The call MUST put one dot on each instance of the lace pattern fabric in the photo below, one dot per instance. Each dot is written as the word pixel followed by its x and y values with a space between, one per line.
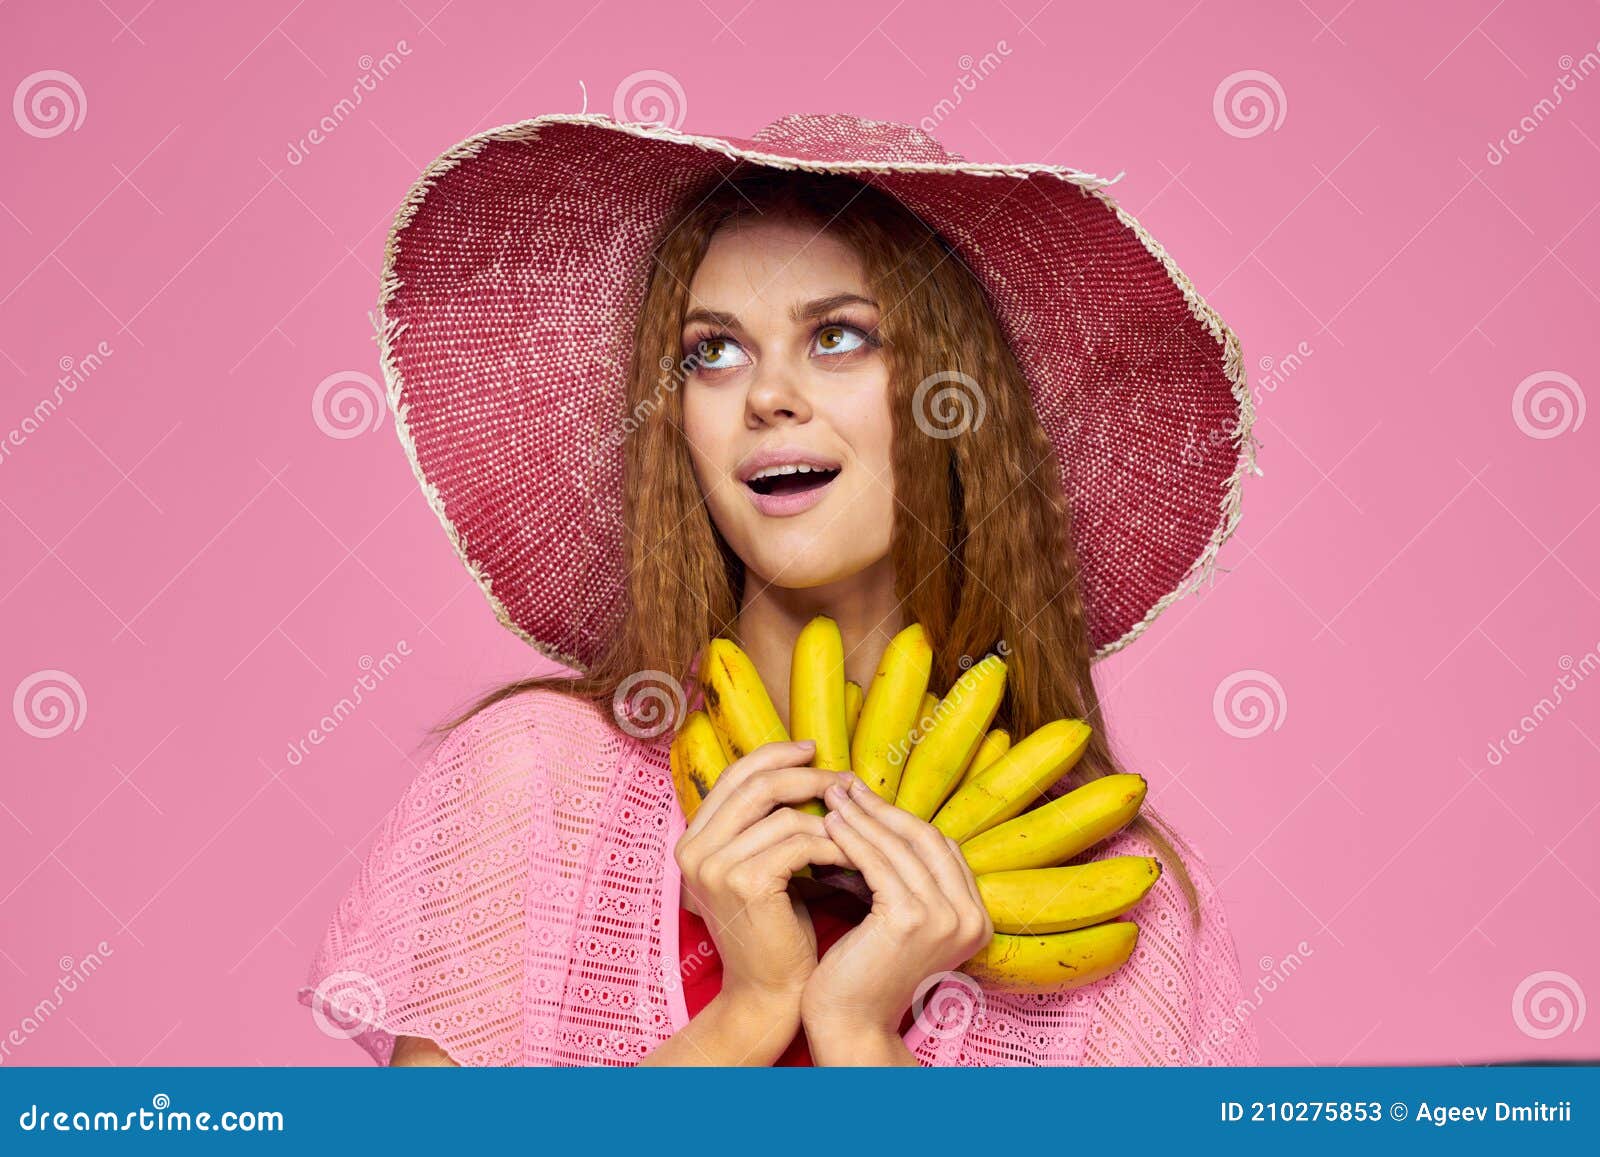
pixel 519 906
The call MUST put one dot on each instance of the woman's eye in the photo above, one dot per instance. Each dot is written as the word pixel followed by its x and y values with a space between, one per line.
pixel 719 352
pixel 840 339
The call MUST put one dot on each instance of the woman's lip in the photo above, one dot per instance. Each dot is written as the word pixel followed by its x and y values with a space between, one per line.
pixel 785 505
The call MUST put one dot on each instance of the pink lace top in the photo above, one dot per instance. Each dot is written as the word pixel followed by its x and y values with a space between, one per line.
pixel 519 906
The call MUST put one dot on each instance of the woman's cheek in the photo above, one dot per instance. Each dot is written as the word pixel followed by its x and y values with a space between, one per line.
pixel 700 432
pixel 871 518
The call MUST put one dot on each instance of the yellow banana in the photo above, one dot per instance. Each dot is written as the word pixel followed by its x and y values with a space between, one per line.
pixel 697 760
pixel 994 745
pixel 1036 901
pixel 739 706
pixel 1013 782
pixel 1060 829
pixel 737 700
pixel 890 711
pixel 816 698
pixel 1055 962
pixel 852 706
pixel 924 720
pixel 952 738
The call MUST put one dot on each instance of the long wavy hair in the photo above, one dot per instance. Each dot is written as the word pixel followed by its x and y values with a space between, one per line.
pixel 981 544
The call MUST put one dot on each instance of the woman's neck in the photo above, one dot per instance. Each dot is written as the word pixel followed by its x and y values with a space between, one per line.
pixel 771 617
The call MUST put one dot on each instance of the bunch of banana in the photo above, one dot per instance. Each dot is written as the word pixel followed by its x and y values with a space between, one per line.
pixel 1055 923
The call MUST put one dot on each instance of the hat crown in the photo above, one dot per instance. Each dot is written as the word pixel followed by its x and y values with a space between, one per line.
pixel 841 137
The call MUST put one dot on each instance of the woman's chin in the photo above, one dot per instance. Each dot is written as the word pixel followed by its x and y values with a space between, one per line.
pixel 804 568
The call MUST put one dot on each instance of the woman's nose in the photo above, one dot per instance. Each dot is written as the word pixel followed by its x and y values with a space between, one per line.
pixel 776 395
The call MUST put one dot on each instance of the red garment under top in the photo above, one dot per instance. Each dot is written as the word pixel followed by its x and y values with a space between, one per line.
pixel 700 966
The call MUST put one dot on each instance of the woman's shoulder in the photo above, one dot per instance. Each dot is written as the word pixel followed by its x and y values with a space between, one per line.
pixel 545 735
pixel 1168 895
pixel 540 719
pixel 517 761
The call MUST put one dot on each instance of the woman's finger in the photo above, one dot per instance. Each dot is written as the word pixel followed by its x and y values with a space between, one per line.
pixel 700 873
pixel 965 871
pixel 762 835
pixel 758 796
pixel 881 823
pixel 751 787
pixel 786 857
pixel 963 888
pixel 845 823
pixel 768 756
pixel 935 848
pixel 937 851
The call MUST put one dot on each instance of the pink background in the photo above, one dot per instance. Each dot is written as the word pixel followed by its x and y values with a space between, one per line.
pixel 1414 569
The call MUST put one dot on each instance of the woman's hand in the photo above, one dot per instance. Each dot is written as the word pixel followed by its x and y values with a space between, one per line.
pixel 736 857
pixel 926 917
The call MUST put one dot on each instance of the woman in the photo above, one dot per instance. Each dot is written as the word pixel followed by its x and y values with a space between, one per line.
pixel 825 408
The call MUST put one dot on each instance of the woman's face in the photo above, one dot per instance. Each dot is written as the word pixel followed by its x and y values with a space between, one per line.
pixel 786 406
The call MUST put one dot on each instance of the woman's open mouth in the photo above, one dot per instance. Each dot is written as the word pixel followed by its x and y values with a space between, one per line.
pixel 784 490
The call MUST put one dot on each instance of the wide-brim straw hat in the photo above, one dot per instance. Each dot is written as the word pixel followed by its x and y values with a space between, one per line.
pixel 517 263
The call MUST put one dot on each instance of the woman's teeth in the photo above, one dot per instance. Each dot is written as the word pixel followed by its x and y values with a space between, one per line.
pixel 790 479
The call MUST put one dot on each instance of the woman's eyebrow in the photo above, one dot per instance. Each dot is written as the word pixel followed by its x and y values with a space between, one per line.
pixel 801 312
pixel 826 305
